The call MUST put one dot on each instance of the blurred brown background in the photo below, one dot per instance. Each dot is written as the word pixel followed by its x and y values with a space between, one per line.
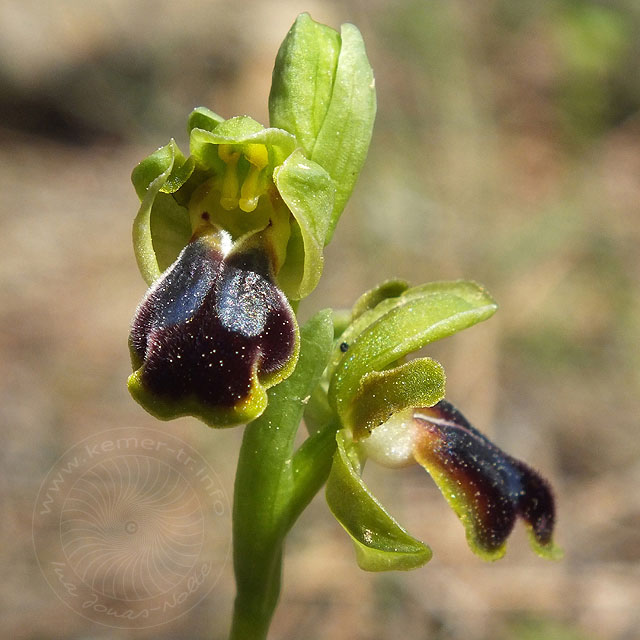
pixel 506 149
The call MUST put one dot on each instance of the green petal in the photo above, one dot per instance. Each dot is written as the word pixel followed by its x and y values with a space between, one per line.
pixel 418 383
pixel 399 326
pixel 381 544
pixel 161 228
pixel 308 192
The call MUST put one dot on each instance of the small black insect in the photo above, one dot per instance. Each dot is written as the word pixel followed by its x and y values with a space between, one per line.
pixel 343 347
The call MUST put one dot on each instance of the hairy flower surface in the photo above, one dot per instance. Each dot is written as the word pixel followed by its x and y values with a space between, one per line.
pixel 487 488
pixel 212 334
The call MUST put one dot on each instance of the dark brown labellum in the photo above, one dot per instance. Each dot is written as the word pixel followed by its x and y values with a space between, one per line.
pixel 210 325
pixel 488 488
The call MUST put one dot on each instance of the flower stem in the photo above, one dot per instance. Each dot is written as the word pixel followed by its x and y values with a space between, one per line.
pixel 273 485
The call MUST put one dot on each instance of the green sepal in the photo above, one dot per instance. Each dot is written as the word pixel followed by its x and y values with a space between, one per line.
pixel 323 91
pixel 418 383
pixel 161 228
pixel 371 306
pixel 381 544
pixel 308 191
pixel 399 326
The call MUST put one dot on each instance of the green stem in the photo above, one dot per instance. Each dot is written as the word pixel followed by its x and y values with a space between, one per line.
pixel 273 485
pixel 259 503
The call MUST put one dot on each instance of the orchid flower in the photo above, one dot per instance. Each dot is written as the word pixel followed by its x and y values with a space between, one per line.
pixel 230 236
pixel 229 239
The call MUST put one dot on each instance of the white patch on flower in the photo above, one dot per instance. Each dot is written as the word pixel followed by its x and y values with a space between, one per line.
pixel 391 444
pixel 226 242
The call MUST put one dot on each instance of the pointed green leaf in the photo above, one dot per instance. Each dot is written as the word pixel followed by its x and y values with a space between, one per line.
pixel 418 383
pixel 381 544
pixel 399 326
pixel 308 192
pixel 161 228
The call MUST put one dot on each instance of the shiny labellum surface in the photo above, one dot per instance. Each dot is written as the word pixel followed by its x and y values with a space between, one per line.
pixel 210 334
pixel 487 488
